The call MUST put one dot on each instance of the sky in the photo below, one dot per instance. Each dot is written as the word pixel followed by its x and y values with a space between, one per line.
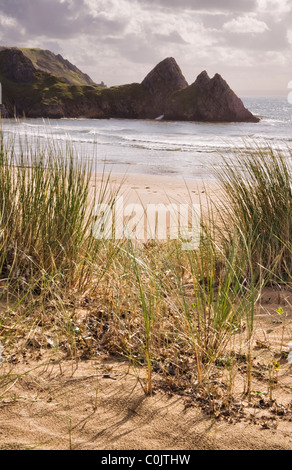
pixel 248 42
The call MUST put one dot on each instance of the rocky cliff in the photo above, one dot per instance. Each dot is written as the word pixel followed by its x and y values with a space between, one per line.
pixel 207 99
pixel 30 90
pixel 16 66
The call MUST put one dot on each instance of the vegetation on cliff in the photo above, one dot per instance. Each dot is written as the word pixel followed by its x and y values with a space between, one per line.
pixel 39 84
pixel 47 61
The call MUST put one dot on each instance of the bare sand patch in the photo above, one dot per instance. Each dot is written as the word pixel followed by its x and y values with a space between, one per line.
pixel 150 189
pixel 99 404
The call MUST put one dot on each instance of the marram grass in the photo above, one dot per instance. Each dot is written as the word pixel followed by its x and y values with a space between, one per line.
pixel 258 207
pixel 177 313
pixel 46 215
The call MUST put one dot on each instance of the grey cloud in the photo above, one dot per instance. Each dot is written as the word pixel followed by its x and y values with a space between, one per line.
pixel 59 19
pixel 10 35
pixel 53 46
pixel 275 39
pixel 215 21
pixel 146 48
pixel 174 37
pixel 219 5
pixel 136 48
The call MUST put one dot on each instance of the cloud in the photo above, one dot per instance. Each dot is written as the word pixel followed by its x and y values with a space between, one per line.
pixel 272 39
pixel 7 21
pixel 246 24
pixel 277 8
pixel 205 5
pixel 58 18
pixel 173 37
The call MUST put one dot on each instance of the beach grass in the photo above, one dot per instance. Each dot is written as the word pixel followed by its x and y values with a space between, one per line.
pixel 257 205
pixel 177 313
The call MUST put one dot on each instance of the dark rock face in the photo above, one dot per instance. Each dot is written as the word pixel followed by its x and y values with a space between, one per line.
pixel 210 100
pixel 17 66
pixel 165 79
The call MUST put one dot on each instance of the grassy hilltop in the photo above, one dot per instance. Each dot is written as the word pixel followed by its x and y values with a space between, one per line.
pixel 47 61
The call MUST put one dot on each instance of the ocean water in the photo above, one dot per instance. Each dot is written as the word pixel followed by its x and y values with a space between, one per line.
pixel 185 149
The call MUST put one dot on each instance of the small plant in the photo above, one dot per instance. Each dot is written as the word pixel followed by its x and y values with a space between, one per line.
pixel 273 368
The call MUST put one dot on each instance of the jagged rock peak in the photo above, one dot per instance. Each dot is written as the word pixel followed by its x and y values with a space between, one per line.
pixel 210 100
pixel 165 78
pixel 202 79
pixel 219 81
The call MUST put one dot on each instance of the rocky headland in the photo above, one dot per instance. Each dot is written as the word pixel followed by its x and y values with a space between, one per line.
pixel 38 83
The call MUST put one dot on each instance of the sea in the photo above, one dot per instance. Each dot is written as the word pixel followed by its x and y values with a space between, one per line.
pixel 157 147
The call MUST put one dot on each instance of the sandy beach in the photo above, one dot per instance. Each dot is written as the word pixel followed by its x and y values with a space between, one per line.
pixel 100 405
pixel 158 194
pixel 150 189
